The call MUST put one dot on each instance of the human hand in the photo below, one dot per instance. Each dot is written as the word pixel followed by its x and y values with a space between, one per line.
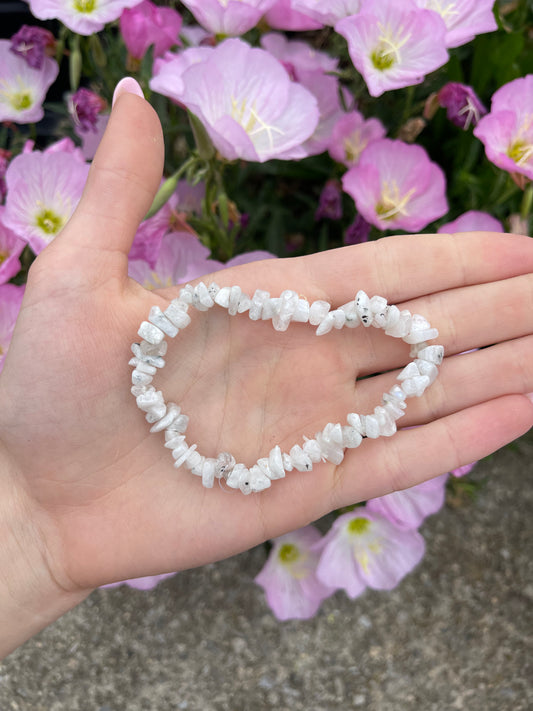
pixel 96 494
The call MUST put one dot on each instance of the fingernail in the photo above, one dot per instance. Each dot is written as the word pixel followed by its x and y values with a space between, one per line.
pixel 128 85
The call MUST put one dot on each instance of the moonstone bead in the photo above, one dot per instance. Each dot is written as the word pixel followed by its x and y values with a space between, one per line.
pixel 142 366
pixel 288 301
pixel 180 424
pixel 352 319
pixel 372 429
pixel 433 354
pixel 301 461
pixel 301 312
pixel 410 371
pixel 427 368
pixel 258 480
pixel 158 318
pixel 196 469
pixel 185 455
pixel 264 465
pixel 156 412
pixel 172 439
pixel 234 300
pixel 270 308
pixel 213 289
pixel 177 314
pixel 356 422
pixel 326 324
pixel 394 410
pixel 222 297
pixel 149 398
pixel 156 361
pixel 378 304
pixel 173 412
pixel 362 306
pixel 287 462
pixel 244 303
pixel 150 333
pixel 140 378
pixel 312 449
pixel 351 438
pixel 414 387
pixel 318 311
pixel 420 330
pixel 275 462
pixel 208 472
pixel 392 317
pixel 259 298
pixel 201 298
pixel 401 327
pixel 387 423
pixel 151 349
pixel 193 460
pixel 187 293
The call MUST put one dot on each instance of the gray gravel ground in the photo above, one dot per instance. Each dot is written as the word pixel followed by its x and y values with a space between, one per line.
pixel 456 634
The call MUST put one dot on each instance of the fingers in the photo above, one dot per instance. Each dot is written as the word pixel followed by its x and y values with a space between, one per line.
pixel 418 454
pixel 122 182
pixel 409 266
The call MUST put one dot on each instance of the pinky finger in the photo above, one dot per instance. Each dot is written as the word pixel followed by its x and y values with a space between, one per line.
pixel 421 453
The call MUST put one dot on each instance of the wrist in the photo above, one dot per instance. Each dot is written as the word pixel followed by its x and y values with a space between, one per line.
pixel 31 593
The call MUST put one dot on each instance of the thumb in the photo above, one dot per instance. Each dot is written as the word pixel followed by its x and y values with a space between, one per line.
pixel 124 177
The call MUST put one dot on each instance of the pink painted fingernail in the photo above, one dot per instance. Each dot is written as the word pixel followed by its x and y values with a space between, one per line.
pixel 128 85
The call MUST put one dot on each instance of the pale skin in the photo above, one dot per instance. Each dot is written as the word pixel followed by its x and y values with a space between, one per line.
pixel 88 496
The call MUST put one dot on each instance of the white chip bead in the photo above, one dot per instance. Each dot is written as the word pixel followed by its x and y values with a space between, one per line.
pixel 287 462
pixel 142 366
pixel 180 448
pixel 180 424
pixel 301 312
pixel 208 472
pixel 401 327
pixel 155 413
pixel 158 318
pixel 410 371
pixel 213 289
pixel 259 298
pixel 185 456
pixel 339 318
pixel 377 304
pixel 325 325
pixel 300 460
pixel 394 410
pixel 239 471
pixel 275 462
pixel 312 449
pixel 356 422
pixel 433 354
pixel 387 423
pixel 137 390
pixel 371 426
pixel 270 308
pixel 244 303
pixel 264 465
pixel 351 316
pixel 198 466
pixel 173 440
pixel 172 413
pixel 150 333
pixel 151 349
pixel 351 438
pixel 141 357
pixel 222 297
pixel 201 298
pixel 318 311
pixel 186 293
pixel 423 335
pixel 176 314
pixel 140 378
pixel 362 306
pixel 193 460
pixel 288 301
pixel 415 386
pixel 234 300
pixel 392 317
pixel 427 368
pixel 149 398
pixel 257 480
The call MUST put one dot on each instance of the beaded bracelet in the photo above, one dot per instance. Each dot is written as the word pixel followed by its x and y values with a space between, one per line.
pixel 327 445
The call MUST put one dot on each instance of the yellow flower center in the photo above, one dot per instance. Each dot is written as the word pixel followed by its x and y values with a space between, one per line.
pixel 387 51
pixel 392 203
pixel 520 152
pixel 358 526
pixel 3 257
pixel 21 100
pixel 288 553
pixel 353 147
pixel 250 120
pixel 85 6
pixel 49 222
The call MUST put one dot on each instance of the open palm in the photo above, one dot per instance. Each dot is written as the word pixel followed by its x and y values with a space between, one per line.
pixel 106 501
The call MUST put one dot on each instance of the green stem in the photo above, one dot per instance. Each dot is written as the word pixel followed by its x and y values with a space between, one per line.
pixel 168 188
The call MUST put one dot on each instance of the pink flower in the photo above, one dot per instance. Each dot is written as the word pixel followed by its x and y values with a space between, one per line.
pixel 327 13
pixel 82 16
pixel 4 160
pixel 289 579
pixel 247 102
pixel 396 185
pixel 472 221
pixel 43 190
pixel 462 104
pixel 31 43
pixel 90 140
pixel 407 509
pixel 84 106
pixel 330 202
pixel 350 136
pixel 148 24
pixel 10 250
pixel 507 131
pixel 22 88
pixel 149 582
pixel 364 549
pixel 393 44
pixel 464 20
pixel 228 17
pixel 167 74
pixel 10 302
pixel 297 56
pixel 358 231
pixel 282 16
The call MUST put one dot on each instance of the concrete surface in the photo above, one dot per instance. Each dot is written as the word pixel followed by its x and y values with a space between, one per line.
pixel 456 634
